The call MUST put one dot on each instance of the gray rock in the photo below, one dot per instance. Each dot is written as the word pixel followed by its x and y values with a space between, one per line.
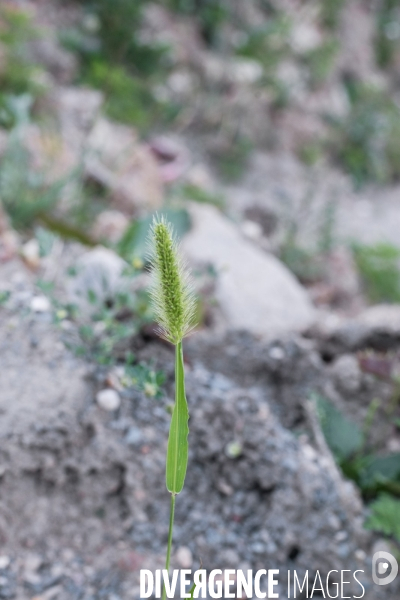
pixel 255 291
pixel 116 159
pixel 347 373
pixel 377 327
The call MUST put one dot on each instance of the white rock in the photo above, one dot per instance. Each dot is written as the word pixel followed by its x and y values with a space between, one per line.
pixel 246 71
pixel 108 399
pixel 254 289
pixel 305 37
pixel 40 304
pixel 181 83
pixel 240 71
pixel 347 373
pixel 30 253
pixel 110 225
pixel 183 557
pixel 4 561
pixel 382 317
pixel 117 160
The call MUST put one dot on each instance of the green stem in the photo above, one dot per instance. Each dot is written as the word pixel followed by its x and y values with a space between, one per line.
pixel 171 527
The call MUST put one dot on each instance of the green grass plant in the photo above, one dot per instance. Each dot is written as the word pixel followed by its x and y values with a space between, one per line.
pixel 175 307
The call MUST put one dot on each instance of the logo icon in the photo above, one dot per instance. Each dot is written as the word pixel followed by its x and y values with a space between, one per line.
pixel 384 568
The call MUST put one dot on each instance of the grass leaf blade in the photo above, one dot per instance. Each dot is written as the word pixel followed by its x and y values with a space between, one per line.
pixel 177 453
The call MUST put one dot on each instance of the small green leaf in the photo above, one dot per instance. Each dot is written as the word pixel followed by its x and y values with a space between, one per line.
pixel 343 436
pixel 380 469
pixel 384 516
pixel 177 453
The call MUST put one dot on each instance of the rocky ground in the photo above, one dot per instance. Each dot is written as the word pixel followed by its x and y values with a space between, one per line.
pixel 83 502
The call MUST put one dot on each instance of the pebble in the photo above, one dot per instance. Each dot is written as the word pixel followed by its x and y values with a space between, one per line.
pixel 40 304
pixel 277 353
pixel 360 554
pixel 184 557
pixel 4 561
pixel 32 563
pixel 134 436
pixel 343 550
pixel 229 558
pixel 108 399
pixel 30 253
pixel 341 536
pixel 233 449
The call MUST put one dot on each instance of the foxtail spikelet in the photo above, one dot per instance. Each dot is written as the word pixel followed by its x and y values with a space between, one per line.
pixel 172 292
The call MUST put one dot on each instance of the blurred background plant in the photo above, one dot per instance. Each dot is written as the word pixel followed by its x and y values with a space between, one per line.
pixel 210 15
pixel 20 75
pixel 116 60
pixel 379 267
pixel 365 143
pixel 376 474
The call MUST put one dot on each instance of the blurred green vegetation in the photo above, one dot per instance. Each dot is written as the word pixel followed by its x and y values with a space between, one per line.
pixel 331 12
pixel 210 15
pixel 268 43
pixel 24 192
pixel 366 142
pixel 110 30
pixel 231 156
pixel 19 74
pixel 384 516
pixel 115 59
pixel 376 474
pixel 303 262
pixel 306 262
pixel 117 56
pixel 320 61
pixel 387 38
pixel 128 98
pixel 373 472
pixel 379 268
pixel 197 194
pixel 105 333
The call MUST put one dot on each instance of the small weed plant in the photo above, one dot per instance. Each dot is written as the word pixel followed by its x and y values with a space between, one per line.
pixel 376 474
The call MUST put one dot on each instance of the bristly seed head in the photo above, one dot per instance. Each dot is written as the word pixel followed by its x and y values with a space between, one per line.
pixel 172 293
